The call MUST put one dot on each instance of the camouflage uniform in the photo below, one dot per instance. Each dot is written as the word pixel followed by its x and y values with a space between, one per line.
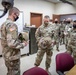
pixel 71 49
pixel 62 28
pixel 42 34
pixel 56 34
pixel 11 47
pixel 67 31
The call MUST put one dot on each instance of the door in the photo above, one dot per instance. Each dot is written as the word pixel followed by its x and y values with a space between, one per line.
pixel 36 19
pixel 56 16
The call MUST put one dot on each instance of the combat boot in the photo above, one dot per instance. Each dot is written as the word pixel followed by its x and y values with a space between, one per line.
pixel 48 71
pixel 36 65
pixel 57 49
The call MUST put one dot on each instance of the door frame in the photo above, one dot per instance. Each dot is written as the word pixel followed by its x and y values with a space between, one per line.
pixel 35 13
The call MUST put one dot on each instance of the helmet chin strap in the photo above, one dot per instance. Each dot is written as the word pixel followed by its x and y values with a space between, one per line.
pixel 7 4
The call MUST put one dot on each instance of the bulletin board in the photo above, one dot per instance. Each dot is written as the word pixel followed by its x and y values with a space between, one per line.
pixel 19 22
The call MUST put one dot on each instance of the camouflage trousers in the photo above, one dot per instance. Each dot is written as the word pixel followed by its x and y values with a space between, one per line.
pixel 13 67
pixel 74 56
pixel 57 44
pixel 62 39
pixel 66 41
pixel 40 55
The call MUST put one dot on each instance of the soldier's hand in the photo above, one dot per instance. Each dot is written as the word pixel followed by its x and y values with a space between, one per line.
pixel 26 42
pixel 53 43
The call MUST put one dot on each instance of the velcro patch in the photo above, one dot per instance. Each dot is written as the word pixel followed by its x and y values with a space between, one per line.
pixel 12 28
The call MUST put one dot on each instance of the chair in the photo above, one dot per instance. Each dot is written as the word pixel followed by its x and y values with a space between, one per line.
pixel 64 62
pixel 35 71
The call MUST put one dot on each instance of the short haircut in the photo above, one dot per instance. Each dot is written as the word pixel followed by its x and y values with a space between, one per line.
pixel 13 10
pixel 46 16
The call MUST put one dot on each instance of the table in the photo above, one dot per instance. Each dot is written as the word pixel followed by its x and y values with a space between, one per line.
pixel 72 71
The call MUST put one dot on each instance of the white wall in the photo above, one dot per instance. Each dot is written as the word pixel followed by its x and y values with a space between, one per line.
pixel 37 6
pixel 63 8
pixel 40 6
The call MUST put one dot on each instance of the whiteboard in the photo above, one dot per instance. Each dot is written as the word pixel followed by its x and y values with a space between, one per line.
pixel 19 22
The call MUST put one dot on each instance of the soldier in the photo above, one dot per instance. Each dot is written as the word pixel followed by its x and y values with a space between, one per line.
pixel 57 33
pixel 71 48
pixel 44 39
pixel 10 43
pixel 62 29
pixel 68 28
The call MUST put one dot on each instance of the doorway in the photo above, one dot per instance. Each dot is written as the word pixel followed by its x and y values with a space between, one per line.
pixel 56 16
pixel 36 19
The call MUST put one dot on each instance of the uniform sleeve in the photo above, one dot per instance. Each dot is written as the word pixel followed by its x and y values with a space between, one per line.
pixel 12 37
pixel 37 35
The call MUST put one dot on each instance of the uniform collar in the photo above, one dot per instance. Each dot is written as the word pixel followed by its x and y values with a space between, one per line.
pixel 9 19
